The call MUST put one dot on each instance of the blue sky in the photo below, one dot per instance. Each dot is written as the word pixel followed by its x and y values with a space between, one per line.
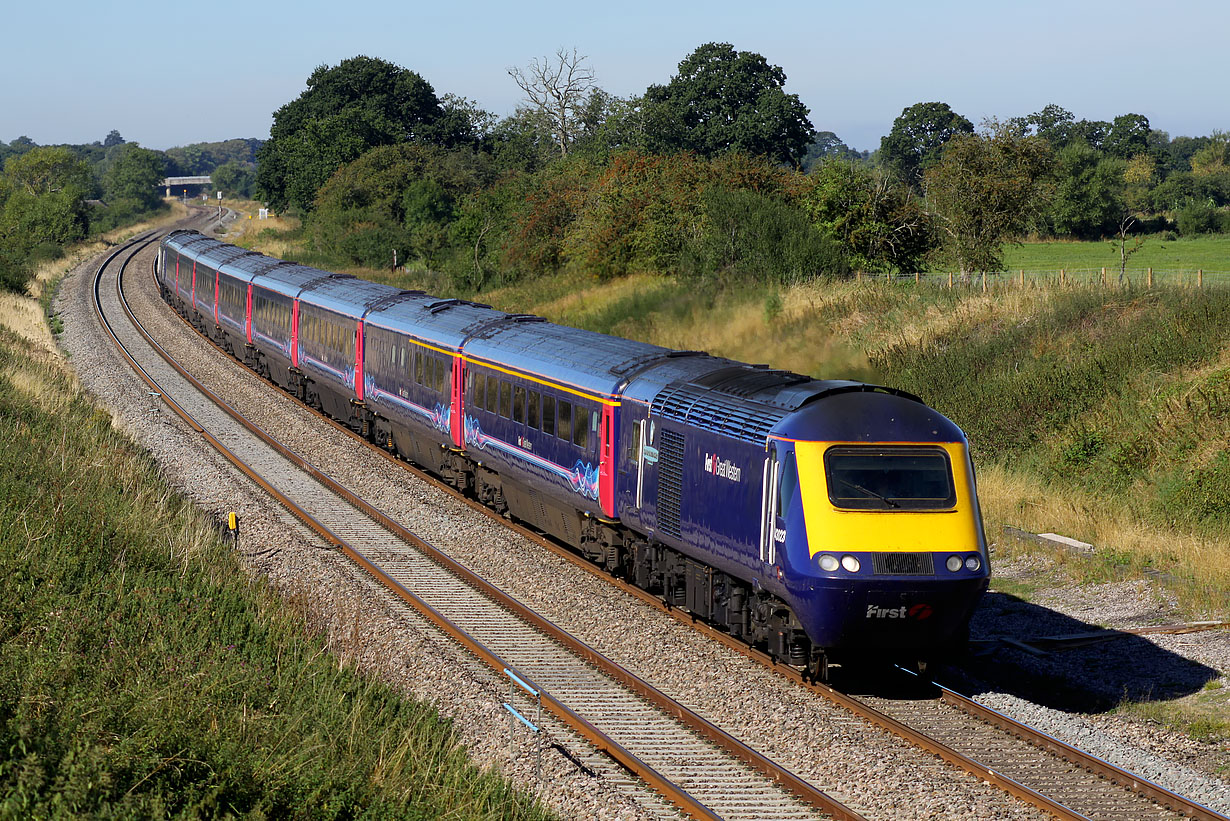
pixel 167 74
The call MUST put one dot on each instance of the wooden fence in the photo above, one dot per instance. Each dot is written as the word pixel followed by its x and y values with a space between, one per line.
pixel 1105 277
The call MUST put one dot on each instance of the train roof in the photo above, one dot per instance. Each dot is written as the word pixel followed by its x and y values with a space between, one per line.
pixel 346 295
pixel 746 402
pixel 585 360
pixel 445 323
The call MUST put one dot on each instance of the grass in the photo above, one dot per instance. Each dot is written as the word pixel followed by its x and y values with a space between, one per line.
pixel 1210 252
pixel 1204 716
pixel 143 672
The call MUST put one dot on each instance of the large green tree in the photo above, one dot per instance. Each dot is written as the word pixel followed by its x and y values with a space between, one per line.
pixel 347 109
pixel 133 176
pixel 1088 198
pixel 723 100
pixel 42 207
pixel 984 190
pixel 917 139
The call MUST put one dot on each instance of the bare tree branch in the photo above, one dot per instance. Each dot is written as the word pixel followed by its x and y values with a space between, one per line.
pixel 557 88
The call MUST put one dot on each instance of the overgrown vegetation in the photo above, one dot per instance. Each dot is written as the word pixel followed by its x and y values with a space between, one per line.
pixel 144 673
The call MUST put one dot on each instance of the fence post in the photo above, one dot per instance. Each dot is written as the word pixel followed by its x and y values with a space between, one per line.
pixel 917 277
pixel 1061 277
pixel 984 282
pixel 1199 277
pixel 950 279
pixel 1103 276
pixel 1150 278
pixel 859 276
pixel 1022 277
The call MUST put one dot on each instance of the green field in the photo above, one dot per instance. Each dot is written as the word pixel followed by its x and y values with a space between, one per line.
pixel 1210 252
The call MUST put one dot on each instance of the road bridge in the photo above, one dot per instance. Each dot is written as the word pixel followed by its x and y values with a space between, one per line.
pixel 172 182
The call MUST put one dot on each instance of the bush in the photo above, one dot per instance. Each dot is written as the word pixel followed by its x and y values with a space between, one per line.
pixel 753 236
pixel 1198 218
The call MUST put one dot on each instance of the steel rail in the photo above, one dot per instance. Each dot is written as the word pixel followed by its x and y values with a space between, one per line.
pixel 1129 781
pixel 688 718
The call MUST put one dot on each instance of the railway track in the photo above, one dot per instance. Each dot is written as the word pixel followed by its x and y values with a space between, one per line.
pixel 692 763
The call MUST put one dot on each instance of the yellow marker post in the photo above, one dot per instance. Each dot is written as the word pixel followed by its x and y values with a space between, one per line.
pixel 232 524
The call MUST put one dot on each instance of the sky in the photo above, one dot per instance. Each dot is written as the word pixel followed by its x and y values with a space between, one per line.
pixel 168 74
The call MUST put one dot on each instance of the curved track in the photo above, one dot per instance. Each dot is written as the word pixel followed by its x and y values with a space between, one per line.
pixel 694 764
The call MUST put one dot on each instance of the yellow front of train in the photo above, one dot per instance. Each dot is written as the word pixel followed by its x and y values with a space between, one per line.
pixel 884 537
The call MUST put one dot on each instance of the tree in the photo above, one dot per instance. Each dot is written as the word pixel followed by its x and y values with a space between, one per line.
pixel 828 146
pixel 984 189
pixel 557 88
pixel 1128 136
pixel 917 139
pixel 42 208
pixel 1053 123
pixel 1088 197
pixel 134 176
pixel 234 179
pixel 113 138
pixel 49 170
pixel 726 100
pixel 347 109
pixel 879 223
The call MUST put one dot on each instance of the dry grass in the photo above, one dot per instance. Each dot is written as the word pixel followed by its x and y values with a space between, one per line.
pixel 24 314
pixel 1122 542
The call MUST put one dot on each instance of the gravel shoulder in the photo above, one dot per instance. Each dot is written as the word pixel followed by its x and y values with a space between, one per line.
pixel 872 771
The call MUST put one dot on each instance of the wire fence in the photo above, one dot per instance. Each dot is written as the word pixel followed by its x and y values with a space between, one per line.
pixel 1064 277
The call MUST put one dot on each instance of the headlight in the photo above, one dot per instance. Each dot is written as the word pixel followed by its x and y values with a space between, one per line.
pixel 953 564
pixel 828 563
pixel 973 563
pixel 850 564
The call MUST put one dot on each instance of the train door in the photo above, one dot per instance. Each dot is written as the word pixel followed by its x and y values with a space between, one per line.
pixel 777 494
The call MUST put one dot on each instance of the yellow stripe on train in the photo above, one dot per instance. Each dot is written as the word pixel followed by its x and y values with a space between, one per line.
pixel 832 530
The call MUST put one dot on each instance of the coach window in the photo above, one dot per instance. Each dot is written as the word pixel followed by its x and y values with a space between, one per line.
pixel 441 375
pixel 493 394
pixel 418 367
pixel 518 415
pixel 505 399
pixel 532 418
pixel 548 414
pixel 580 429
pixel 478 390
pixel 565 420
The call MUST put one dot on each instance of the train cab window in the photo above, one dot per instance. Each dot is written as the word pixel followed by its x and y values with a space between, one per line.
pixel 548 415
pixel 564 430
pixel 903 478
pixel 634 446
pixel 518 414
pixel 786 485
pixel 505 399
pixel 531 418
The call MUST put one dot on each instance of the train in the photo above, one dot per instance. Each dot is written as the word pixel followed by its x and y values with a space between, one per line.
pixel 823 521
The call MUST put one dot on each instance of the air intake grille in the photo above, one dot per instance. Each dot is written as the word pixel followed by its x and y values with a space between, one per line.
pixel 707 409
pixel 903 564
pixel 670 481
